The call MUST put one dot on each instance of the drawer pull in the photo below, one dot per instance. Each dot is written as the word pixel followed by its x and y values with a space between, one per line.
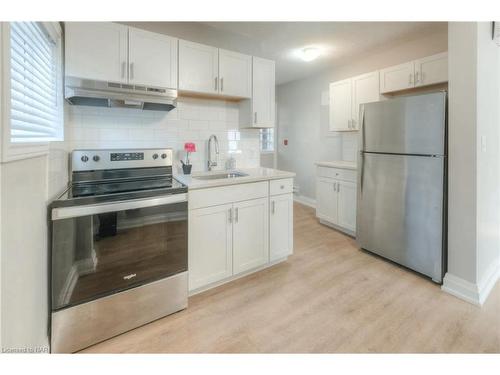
pixel 282 186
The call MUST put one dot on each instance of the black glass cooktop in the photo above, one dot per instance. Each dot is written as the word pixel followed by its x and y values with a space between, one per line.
pixel 108 191
pixel 104 188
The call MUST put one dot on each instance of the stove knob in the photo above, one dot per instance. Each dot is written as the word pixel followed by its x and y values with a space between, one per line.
pixel 84 158
pixel 163 156
pixel 96 158
pixel 155 156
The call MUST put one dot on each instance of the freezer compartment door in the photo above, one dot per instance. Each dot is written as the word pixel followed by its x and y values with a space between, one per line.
pixel 400 210
pixel 406 125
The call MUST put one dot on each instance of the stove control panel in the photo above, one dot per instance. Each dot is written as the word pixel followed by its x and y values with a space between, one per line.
pixel 124 156
pixel 88 160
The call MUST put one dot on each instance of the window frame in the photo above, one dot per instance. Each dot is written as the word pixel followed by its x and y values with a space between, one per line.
pixel 23 150
pixel 273 142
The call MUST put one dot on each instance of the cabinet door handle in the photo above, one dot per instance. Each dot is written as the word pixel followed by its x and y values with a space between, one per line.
pixel 222 84
pixel 236 215
pixel 255 117
pixel 123 69
pixel 410 79
pixel 334 186
pixel 273 208
pixel 416 77
pixel 230 215
pixel 131 70
pixel 215 84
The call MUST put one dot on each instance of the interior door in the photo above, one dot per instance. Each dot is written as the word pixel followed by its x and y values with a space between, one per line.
pixel 347 205
pixel 399 77
pixel 96 50
pixel 250 234
pixel 152 59
pixel 340 105
pixel 263 89
pixel 210 245
pixel 326 200
pixel 235 74
pixel 400 209
pixel 431 69
pixel 281 226
pixel 365 89
pixel 198 67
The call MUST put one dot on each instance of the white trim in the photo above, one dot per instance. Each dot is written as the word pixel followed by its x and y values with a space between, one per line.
pixel 471 292
pixel 305 200
pixel 488 282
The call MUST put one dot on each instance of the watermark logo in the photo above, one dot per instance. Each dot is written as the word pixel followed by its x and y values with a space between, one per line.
pixel 35 349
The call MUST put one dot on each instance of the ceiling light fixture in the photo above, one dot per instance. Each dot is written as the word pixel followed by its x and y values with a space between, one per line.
pixel 310 53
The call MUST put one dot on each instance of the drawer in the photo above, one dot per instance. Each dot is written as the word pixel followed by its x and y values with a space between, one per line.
pixel 282 186
pixel 227 194
pixel 338 173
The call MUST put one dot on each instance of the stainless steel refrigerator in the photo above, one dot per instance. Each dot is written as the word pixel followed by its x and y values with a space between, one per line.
pixel 402 182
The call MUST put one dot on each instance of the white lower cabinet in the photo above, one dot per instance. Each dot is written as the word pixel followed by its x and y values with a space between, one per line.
pixel 346 205
pixel 336 198
pixel 234 234
pixel 210 245
pixel 250 234
pixel 281 226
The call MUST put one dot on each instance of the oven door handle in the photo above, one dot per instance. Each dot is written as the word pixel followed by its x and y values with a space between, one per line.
pixel 77 211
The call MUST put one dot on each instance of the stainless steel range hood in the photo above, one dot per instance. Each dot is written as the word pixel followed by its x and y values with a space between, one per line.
pixel 80 91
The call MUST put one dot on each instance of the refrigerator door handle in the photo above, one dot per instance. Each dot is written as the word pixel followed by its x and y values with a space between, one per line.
pixel 362 124
pixel 361 171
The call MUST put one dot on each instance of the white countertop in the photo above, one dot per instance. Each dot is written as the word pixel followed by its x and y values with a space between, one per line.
pixel 254 175
pixel 338 164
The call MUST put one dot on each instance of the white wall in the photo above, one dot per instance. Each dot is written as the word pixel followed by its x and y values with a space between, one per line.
pixel 474 162
pixel 24 267
pixel 304 121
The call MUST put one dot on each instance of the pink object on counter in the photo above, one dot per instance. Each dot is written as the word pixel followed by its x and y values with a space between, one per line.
pixel 189 147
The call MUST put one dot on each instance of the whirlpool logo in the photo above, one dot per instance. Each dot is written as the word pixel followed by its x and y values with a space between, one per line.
pixel 131 276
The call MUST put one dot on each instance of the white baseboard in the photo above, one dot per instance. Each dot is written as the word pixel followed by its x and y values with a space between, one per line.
pixel 471 292
pixel 304 200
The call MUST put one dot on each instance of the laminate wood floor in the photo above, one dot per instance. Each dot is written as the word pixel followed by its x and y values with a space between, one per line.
pixel 328 297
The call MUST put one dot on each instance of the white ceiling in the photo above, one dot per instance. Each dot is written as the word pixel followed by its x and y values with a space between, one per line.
pixel 279 40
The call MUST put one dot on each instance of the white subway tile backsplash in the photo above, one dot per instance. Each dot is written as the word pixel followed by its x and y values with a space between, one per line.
pixel 194 120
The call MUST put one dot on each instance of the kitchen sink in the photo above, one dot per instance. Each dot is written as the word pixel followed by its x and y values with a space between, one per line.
pixel 219 176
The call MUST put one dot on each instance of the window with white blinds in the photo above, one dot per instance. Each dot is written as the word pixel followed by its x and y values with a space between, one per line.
pixel 35 84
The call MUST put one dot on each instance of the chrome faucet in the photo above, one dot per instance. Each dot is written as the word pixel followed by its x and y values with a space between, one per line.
pixel 211 163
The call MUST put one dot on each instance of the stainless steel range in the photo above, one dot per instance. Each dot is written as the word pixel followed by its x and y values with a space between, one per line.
pixel 119 246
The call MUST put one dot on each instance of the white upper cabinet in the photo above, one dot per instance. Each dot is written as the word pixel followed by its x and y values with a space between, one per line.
pixel 198 68
pixel 399 77
pixel 209 70
pixel 431 70
pixel 96 50
pixel 107 51
pixel 152 59
pixel 341 105
pixel 365 89
pixel 259 111
pixel 235 74
pixel 347 95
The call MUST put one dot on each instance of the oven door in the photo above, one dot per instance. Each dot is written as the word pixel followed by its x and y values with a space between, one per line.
pixel 101 249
